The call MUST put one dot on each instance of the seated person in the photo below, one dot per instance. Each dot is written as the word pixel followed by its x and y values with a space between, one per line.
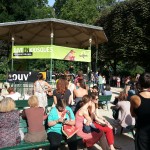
pixel 101 123
pixel 35 117
pixel 56 118
pixel 107 90
pixel 9 123
pixel 93 89
pixel 83 113
pixel 11 93
pixel 131 92
pixel 124 116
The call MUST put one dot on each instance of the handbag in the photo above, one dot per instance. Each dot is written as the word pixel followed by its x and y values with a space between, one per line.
pixel 69 130
pixel 89 129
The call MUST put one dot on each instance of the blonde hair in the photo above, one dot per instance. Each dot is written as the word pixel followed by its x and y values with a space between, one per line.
pixel 33 101
pixel 7 104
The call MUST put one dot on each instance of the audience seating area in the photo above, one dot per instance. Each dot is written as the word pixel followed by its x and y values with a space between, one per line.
pixel 21 104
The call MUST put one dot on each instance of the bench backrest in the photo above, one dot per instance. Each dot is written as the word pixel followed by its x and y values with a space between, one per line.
pixel 21 104
pixel 105 98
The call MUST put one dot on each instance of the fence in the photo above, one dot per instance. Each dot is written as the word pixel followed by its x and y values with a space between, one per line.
pixel 23 87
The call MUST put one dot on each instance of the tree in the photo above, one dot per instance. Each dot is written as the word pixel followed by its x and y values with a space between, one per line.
pixel 24 10
pixel 82 11
pixel 127 29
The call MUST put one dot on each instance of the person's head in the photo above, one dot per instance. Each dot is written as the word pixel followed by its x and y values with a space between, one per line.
pixel 33 101
pixel 6 85
pixel 81 83
pixel 61 105
pixel 95 89
pixel 7 104
pixel 80 73
pixel 62 85
pixel 144 81
pixel 122 96
pixel 10 90
pixel 68 78
pixel 86 99
pixel 40 76
pixel 95 98
pixel 107 88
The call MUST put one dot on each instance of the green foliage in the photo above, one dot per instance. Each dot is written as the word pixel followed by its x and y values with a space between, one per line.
pixel 4 68
pixel 19 10
pixel 82 11
pixel 127 29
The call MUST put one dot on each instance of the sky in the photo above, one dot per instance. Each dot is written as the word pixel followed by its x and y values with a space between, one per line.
pixel 51 2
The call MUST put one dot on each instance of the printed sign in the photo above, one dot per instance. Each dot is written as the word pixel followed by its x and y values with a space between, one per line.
pixel 23 76
pixel 51 51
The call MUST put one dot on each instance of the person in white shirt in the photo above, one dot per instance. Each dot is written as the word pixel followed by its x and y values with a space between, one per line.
pixel 14 95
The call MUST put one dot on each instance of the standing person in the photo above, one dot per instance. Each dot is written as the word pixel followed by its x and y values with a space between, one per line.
pixel 71 87
pixel 35 117
pixel 83 113
pixel 141 111
pixel 118 81
pixel 56 119
pixel 100 83
pixel 62 91
pixel 40 90
pixel 9 123
pixel 79 76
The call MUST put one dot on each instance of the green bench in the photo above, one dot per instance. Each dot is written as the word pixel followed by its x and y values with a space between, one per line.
pixel 131 128
pixel 20 104
pixel 28 146
pixel 104 99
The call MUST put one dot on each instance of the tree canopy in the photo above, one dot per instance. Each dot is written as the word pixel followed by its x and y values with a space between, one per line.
pixel 127 29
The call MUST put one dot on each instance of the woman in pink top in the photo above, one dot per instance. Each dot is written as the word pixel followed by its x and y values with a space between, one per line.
pixel 35 117
pixel 89 138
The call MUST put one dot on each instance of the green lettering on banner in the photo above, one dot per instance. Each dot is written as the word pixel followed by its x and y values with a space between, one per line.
pixel 51 51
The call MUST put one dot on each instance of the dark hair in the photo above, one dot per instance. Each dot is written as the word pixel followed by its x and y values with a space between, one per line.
pixel 85 99
pixel 95 87
pixel 107 88
pixel 144 81
pixel 40 76
pixel 81 82
pixel 61 103
pixel 10 89
pixel 93 95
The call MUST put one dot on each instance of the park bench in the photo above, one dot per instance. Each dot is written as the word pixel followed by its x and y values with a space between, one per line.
pixel 130 128
pixel 103 100
pixel 20 105
pixel 28 146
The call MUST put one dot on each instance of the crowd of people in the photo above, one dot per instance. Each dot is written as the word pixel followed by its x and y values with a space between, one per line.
pixel 82 104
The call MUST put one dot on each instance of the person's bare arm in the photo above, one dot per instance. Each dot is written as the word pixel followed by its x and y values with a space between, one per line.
pixel 135 103
pixel 55 100
pixel 87 117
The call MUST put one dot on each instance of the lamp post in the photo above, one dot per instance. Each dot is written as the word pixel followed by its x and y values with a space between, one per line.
pixel 51 63
pixel 90 42
pixel 12 61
